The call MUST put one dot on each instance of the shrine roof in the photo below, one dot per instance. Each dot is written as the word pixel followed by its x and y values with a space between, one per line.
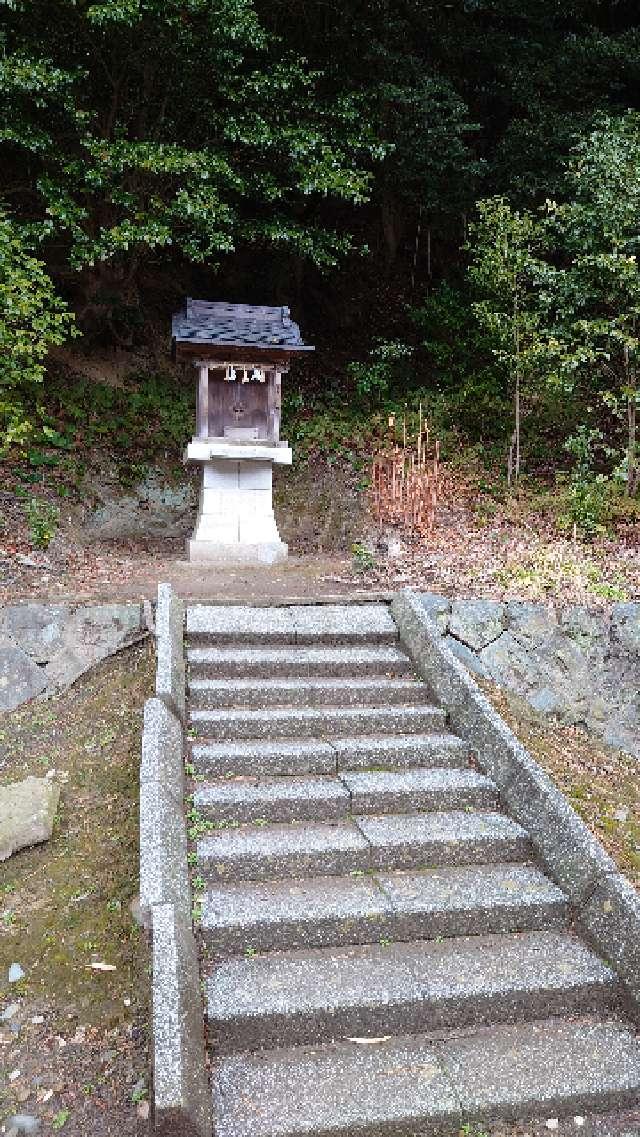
pixel 236 325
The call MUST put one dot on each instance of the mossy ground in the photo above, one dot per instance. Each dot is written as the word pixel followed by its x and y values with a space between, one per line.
pixel 601 783
pixel 65 905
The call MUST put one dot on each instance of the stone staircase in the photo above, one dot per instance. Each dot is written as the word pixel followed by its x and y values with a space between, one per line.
pixel 381 953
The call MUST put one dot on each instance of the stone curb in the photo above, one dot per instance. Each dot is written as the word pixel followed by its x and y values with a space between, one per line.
pixel 181 1097
pixel 330 598
pixel 170 670
pixel 164 876
pixel 162 748
pixel 606 906
pixel 611 920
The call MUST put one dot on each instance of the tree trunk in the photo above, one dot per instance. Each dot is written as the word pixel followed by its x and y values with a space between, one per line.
pixel 416 250
pixel 389 229
pixel 514 452
pixel 510 459
pixel 633 473
pixel 516 431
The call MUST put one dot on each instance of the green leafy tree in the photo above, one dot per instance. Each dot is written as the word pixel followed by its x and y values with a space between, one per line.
pixel 430 170
pixel 505 270
pixel 155 127
pixel 560 291
pixel 398 58
pixel 143 137
pixel 593 298
pixel 588 490
pixel 461 364
pixel 385 370
pixel 32 319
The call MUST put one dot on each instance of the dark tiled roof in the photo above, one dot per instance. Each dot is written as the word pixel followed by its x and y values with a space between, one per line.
pixel 236 325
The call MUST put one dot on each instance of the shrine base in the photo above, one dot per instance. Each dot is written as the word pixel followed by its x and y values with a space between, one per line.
pixel 236 522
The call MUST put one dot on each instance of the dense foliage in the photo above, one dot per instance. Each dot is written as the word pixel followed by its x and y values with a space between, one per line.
pixel 333 156
pixel 32 319
pixel 559 289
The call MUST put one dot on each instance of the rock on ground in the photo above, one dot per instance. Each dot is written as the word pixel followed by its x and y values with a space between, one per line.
pixel 20 678
pixel 27 810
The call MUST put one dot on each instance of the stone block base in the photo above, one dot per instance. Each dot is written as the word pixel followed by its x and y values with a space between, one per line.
pixel 236 524
pixel 236 553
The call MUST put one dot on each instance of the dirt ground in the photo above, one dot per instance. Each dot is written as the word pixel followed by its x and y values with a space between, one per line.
pixel 117 575
pixel 485 543
pixel 452 563
pixel 73 1042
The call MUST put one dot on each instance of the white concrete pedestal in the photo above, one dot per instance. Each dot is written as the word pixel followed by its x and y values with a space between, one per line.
pixel 236 523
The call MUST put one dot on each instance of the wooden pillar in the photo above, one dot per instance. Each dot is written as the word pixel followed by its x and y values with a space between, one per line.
pixel 202 414
pixel 271 427
pixel 275 405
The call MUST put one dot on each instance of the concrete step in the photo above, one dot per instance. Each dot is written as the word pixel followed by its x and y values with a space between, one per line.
pixel 298 798
pixel 302 756
pixel 277 851
pixel 415 1084
pixel 455 837
pixel 400 751
pixel 394 906
pixel 365 843
pixel 270 662
pixel 405 791
pixel 312 692
pixel 310 997
pixel 303 722
pixel 315 756
pixel 298 624
pixel 274 799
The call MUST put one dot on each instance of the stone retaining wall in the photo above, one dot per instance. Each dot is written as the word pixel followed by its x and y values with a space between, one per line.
pixel 575 665
pixel 44 648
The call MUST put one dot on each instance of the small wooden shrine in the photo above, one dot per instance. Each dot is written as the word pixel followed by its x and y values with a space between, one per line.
pixel 240 352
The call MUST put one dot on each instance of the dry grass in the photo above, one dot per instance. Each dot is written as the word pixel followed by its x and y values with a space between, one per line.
pixel 508 546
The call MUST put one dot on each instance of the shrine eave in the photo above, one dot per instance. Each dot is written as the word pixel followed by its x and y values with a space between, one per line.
pixel 235 353
pixel 213 329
